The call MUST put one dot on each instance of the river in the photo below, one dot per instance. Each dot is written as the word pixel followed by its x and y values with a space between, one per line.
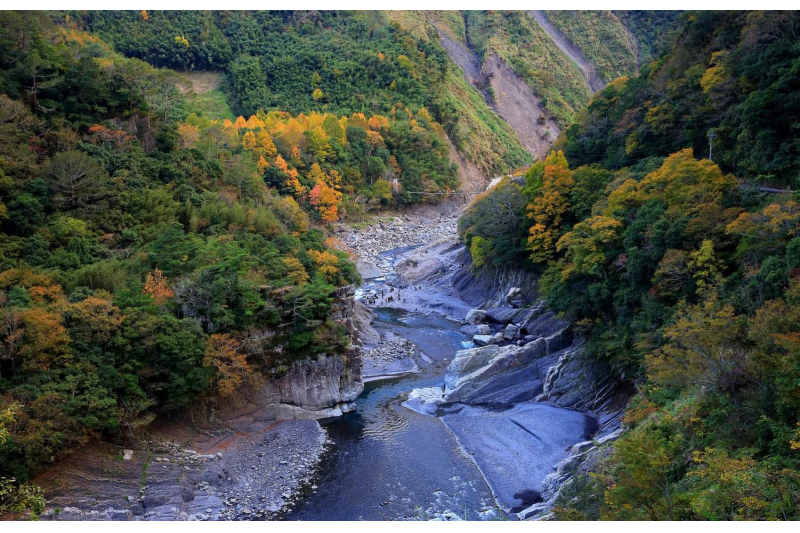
pixel 388 462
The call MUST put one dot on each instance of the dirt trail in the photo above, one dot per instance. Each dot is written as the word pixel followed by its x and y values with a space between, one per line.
pixel 572 51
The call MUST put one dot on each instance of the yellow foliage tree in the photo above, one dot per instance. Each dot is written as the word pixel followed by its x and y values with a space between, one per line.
pixel 240 123
pixel 586 245
pixel 327 264
pixel 223 354
pixel 249 141
pixel 45 340
pixel 265 144
pixel 263 164
pixel 549 206
pixel 295 271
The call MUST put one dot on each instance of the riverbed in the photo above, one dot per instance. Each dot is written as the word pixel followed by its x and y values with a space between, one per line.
pixel 387 462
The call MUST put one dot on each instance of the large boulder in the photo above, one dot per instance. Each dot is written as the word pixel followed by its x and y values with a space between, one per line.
pixel 480 329
pixel 475 316
pixel 473 371
pixel 483 340
pixel 511 332
pixel 416 269
pixel 503 315
pixel 424 401
pixel 543 324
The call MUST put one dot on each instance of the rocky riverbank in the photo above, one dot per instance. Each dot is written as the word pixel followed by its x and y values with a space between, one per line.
pixel 251 473
pixel 386 233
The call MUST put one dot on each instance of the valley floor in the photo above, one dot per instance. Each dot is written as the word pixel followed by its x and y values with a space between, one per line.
pixel 382 461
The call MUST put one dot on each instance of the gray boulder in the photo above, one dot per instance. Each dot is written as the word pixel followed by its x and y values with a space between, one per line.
pixel 483 340
pixel 475 316
pixel 511 332
pixel 503 315
pixel 480 329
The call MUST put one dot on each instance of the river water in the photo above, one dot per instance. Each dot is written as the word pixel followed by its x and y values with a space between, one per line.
pixel 388 462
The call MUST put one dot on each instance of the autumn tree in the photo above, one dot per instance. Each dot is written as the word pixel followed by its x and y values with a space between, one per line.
pixel 265 144
pixel 704 347
pixel 223 354
pixel 45 341
pixel 249 140
pixel 326 200
pixel 548 206
pixel 327 264
pixel 95 319
pixel 157 286
pixel 587 246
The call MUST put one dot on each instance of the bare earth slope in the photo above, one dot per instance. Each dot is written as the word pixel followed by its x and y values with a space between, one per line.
pixel 513 100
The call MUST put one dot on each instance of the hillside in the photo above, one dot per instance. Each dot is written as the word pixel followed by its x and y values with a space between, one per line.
pixel 740 81
pixel 145 262
pixel 679 272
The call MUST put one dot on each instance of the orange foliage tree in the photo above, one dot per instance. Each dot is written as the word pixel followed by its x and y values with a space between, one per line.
pixel 223 354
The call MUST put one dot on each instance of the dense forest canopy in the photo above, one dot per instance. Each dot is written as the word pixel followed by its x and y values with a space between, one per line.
pixel 735 73
pixel 337 62
pixel 152 256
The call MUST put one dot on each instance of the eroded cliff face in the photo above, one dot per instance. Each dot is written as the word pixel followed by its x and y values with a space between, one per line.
pixel 488 288
pixel 511 98
pixel 323 387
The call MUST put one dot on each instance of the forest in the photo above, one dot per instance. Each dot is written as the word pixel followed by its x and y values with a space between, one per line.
pixel 680 271
pixel 152 255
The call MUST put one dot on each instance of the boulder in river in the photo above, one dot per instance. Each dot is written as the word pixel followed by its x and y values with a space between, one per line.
pixel 475 316
pixel 483 340
pixel 480 329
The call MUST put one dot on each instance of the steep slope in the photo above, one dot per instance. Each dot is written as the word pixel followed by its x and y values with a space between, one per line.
pixel 528 50
pixel 482 137
pixel 682 277
pixel 741 84
pixel 507 95
pixel 573 52
pixel 520 107
pixel 652 31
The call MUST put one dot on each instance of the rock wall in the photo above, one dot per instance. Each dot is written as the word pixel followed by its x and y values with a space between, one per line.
pixel 487 288
pixel 324 387
pixel 497 396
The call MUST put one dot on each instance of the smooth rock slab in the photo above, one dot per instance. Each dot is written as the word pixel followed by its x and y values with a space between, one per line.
pixel 376 370
pixel 517 447
pixel 424 401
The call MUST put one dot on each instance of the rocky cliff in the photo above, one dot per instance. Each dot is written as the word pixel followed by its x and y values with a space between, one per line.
pixel 323 387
